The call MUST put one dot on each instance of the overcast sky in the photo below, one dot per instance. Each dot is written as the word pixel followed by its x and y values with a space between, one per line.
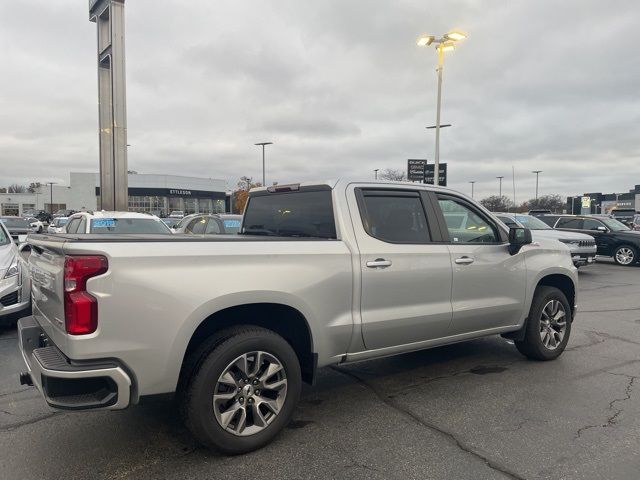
pixel 339 86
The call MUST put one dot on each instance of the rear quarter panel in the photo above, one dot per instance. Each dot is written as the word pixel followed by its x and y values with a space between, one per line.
pixel 155 295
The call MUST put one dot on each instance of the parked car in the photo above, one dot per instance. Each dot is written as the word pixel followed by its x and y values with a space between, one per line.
pixel 322 274
pixel 624 215
pixel 36 225
pixel 582 246
pixel 613 239
pixel 539 211
pixel 63 213
pixel 57 225
pixel 176 214
pixel 41 215
pixel 115 222
pixel 210 224
pixel 18 226
pixel 15 287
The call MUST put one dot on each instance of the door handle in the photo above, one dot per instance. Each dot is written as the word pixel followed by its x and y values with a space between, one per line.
pixel 464 260
pixel 379 263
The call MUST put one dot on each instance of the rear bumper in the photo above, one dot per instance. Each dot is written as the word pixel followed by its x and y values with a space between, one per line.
pixel 68 384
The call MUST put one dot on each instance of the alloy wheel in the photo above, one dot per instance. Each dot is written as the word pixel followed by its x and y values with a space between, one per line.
pixel 625 256
pixel 553 324
pixel 250 393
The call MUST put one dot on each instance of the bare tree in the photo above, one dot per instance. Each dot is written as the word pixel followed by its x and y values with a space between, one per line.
pixel 496 203
pixel 392 174
pixel 15 188
pixel 34 187
pixel 555 203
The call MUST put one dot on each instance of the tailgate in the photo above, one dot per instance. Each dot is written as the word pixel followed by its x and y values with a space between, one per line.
pixel 46 267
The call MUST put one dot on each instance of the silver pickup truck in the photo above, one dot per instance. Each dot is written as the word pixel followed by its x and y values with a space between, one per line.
pixel 321 274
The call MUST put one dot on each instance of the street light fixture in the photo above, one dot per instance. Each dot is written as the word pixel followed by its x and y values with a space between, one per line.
pixel 262 144
pixel 472 182
pixel 537 172
pixel 375 170
pixel 443 44
pixel 500 188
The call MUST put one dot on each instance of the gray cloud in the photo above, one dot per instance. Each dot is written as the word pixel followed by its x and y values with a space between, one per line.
pixel 339 87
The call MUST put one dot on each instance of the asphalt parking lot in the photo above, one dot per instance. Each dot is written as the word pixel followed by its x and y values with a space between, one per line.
pixel 477 410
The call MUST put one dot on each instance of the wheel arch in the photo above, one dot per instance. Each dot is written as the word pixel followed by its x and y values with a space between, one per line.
pixel 563 283
pixel 283 319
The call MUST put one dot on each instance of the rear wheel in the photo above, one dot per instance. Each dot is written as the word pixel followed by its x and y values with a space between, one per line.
pixel 548 327
pixel 243 387
pixel 625 255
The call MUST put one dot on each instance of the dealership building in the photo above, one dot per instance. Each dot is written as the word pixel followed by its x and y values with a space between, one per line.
pixel 597 202
pixel 157 194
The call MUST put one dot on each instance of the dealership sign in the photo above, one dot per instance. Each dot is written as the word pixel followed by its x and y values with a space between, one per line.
pixel 442 174
pixel 586 202
pixel 416 169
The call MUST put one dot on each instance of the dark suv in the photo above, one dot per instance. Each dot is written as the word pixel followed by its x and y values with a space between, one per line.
pixel 613 239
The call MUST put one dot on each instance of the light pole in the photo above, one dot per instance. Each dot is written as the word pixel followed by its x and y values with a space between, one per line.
pixel 262 144
pixel 472 182
pixel 500 187
pixel 537 172
pixel 51 184
pixel 375 170
pixel 443 44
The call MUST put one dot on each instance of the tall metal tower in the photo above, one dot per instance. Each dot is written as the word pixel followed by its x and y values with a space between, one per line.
pixel 109 18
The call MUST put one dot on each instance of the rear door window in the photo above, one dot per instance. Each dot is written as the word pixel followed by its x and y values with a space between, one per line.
pixel 394 216
pixel 572 223
pixel 213 227
pixel 197 226
pixel 72 226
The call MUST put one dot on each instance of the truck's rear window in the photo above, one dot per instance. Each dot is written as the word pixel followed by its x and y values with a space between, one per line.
pixel 128 225
pixel 295 214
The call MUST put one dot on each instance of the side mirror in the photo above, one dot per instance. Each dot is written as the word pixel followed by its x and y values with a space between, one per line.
pixel 518 237
pixel 24 246
pixel 602 229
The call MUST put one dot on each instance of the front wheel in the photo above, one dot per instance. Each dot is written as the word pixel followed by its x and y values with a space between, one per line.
pixel 243 389
pixel 625 255
pixel 548 327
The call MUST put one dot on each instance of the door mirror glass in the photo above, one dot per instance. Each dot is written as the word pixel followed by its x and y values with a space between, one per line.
pixel 517 238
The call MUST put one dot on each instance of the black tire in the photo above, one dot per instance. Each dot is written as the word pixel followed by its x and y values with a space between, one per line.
pixel 633 250
pixel 205 366
pixel 532 345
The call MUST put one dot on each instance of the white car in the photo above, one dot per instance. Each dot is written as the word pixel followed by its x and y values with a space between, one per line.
pixel 582 246
pixel 115 222
pixel 37 225
pixel 176 214
pixel 15 287
pixel 57 225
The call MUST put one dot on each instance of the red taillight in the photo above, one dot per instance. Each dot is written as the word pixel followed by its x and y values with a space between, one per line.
pixel 81 308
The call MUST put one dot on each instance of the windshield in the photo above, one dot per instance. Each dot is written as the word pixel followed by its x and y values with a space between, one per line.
pixel 60 222
pixel 128 225
pixel 15 222
pixel 614 225
pixel 532 223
